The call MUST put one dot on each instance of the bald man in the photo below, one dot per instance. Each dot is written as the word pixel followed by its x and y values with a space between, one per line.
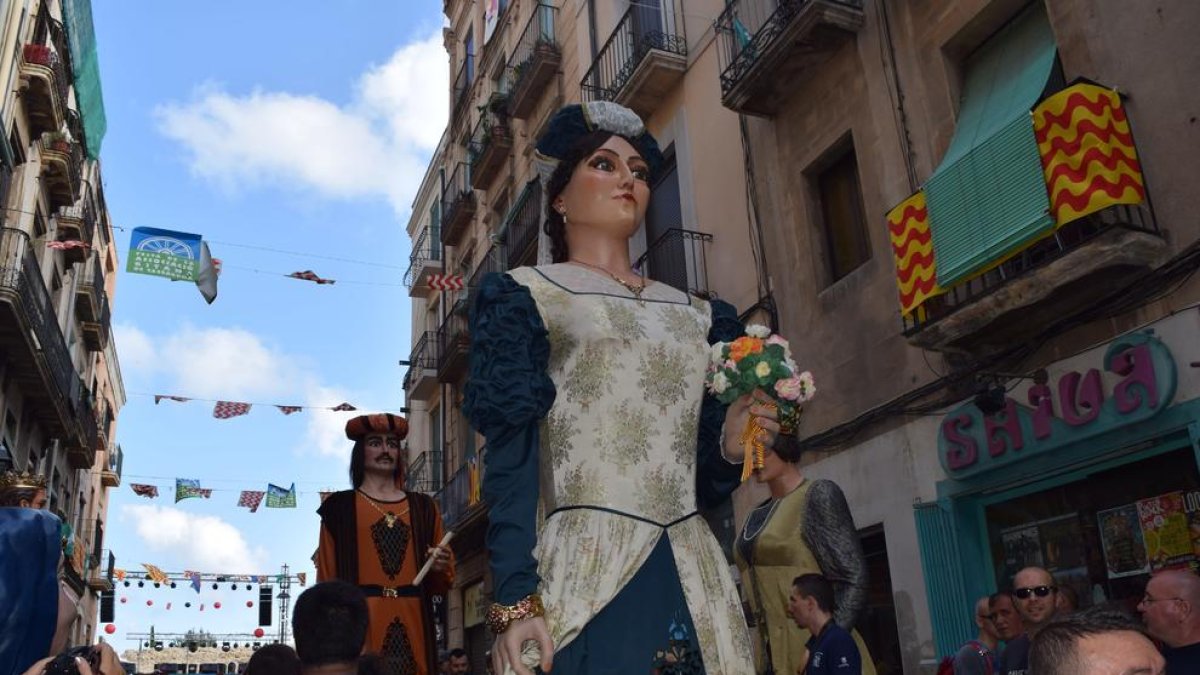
pixel 978 656
pixel 1171 611
pixel 1036 597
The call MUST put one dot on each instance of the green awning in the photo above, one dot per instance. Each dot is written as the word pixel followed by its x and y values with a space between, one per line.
pixel 988 197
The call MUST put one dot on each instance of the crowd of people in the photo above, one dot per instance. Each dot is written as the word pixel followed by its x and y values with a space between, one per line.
pixel 1036 629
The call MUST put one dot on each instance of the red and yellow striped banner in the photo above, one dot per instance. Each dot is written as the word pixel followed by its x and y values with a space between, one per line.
pixel 1087 152
pixel 912 248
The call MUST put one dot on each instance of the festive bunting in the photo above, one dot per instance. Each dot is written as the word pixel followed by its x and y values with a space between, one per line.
pixel 186 488
pixel 303 577
pixel 204 492
pixel 67 245
pixel 309 275
pixel 160 397
pixel 156 574
pixel 344 407
pixel 143 490
pixel 119 574
pixel 206 279
pixel 289 409
pixel 279 498
pixel 195 579
pixel 251 499
pixel 226 409
pixel 164 253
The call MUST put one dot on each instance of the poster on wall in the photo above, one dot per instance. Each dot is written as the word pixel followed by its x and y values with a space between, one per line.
pixel 1062 543
pixel 1022 548
pixel 1191 506
pixel 1121 537
pixel 1165 531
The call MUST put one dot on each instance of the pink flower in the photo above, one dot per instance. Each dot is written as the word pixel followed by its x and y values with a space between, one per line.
pixel 776 340
pixel 730 365
pixel 789 389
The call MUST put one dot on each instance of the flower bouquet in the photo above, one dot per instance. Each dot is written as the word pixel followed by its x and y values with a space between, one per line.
pixel 759 360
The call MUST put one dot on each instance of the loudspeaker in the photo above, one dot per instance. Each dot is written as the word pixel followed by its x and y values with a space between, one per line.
pixel 107 608
pixel 264 605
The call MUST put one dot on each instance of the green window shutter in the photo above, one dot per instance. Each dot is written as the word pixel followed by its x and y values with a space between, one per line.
pixel 950 611
pixel 988 197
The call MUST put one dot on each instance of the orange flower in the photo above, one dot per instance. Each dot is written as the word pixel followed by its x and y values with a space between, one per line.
pixel 743 347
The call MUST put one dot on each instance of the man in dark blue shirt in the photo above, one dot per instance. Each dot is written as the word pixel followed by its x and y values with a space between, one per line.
pixel 831 649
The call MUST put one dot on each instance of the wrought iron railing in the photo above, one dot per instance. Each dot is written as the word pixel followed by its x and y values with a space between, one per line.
pixel 457 497
pixel 1064 240
pixel 58 143
pixel 678 259
pixel 85 416
pixel 537 37
pixel 19 271
pixel 97 542
pixel 747 29
pixel 523 224
pixel 5 183
pixel 486 130
pixel 457 190
pixel 492 262
pixel 424 356
pixel 462 84
pixel 44 55
pixel 425 473
pixel 644 27
pixel 116 460
pixel 82 214
pixel 451 337
pixel 427 248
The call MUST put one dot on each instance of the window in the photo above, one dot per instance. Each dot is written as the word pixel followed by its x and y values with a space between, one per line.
pixel 469 55
pixel 435 231
pixel 842 221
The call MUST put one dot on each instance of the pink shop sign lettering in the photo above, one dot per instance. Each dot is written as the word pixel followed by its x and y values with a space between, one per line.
pixel 1075 407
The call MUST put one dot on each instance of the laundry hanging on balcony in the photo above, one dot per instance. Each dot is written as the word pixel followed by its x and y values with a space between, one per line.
pixel 1088 162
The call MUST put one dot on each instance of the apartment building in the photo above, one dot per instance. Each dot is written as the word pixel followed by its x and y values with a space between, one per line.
pixel 60 380
pixel 979 221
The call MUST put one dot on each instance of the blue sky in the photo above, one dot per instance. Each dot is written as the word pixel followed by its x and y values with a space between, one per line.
pixel 298 126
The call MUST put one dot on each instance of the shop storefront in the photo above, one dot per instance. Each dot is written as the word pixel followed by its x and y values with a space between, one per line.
pixel 1092 472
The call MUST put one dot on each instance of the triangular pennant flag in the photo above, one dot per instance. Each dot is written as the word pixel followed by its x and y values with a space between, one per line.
pixel 205 492
pixel 223 410
pixel 202 607
pixel 119 574
pixel 206 279
pixel 186 488
pixel 168 605
pixel 143 490
pixel 279 498
pixel 156 575
pixel 289 409
pixel 179 399
pixel 251 499
pixel 309 275
pixel 67 245
pixel 303 577
pixel 343 407
pixel 194 577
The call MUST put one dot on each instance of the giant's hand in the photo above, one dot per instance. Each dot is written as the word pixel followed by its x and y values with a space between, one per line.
pixel 509 645
pixel 737 416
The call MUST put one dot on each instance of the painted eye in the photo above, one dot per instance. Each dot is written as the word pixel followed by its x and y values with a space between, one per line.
pixel 642 174
pixel 602 163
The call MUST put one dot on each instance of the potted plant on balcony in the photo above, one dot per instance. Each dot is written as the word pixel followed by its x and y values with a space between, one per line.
pixel 59 141
pixel 497 104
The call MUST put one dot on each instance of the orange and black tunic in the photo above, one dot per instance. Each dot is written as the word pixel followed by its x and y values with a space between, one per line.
pixel 358 545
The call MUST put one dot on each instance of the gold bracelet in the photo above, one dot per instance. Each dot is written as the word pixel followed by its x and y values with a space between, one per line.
pixel 500 617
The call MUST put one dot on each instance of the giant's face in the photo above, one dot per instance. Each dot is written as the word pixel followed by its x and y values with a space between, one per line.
pixel 38 502
pixel 381 452
pixel 609 190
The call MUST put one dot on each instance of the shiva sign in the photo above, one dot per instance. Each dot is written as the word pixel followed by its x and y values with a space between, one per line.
pixel 1138 382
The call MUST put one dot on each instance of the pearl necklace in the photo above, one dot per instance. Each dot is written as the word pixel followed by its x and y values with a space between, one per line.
pixel 635 289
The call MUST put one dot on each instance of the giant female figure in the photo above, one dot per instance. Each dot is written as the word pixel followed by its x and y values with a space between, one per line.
pixel 588 382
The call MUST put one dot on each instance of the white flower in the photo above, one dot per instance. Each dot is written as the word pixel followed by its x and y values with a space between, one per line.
pixel 791 365
pixel 757 330
pixel 720 383
pixel 809 389
pixel 763 369
pixel 718 353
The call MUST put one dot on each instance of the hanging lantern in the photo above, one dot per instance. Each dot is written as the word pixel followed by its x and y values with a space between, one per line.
pixel 258 632
pixel 149 603
pixel 110 629
pixel 124 599
pixel 216 605
pixel 249 603
pixel 187 604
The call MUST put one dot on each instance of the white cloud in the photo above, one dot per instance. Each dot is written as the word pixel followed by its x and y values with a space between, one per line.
pixel 225 363
pixel 135 348
pixel 326 434
pixel 200 542
pixel 375 147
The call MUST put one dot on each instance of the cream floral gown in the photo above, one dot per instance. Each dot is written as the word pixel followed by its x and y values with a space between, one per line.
pixel 598 431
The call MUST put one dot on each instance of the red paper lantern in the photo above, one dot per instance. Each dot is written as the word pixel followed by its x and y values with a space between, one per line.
pixel 149 603
pixel 110 629
pixel 258 632
pixel 249 603
pixel 216 605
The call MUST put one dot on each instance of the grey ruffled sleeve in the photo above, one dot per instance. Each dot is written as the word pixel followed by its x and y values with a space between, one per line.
pixel 830 534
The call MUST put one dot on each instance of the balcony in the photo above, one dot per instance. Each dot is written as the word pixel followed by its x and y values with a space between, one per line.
pixel 490 144
pixel 425 473
pixel 82 447
pixel 420 382
pixel 75 223
pixel 100 575
pixel 62 160
pixel 767 45
pixel 534 61
pixel 453 347
pixel 643 60
pixel 522 225
pixel 492 262
pixel 31 339
pixel 678 259
pixel 110 475
pixel 43 86
pixel 461 499
pixel 91 304
pixel 1077 266
pixel 425 259
pixel 462 89
pixel 458 205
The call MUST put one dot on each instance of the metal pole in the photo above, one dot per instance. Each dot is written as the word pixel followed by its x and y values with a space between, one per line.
pixel 285 585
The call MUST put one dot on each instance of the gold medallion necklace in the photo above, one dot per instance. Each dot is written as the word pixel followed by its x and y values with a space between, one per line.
pixel 635 289
pixel 389 518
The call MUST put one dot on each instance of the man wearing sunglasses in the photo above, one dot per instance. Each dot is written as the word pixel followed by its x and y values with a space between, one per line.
pixel 1035 596
pixel 1171 610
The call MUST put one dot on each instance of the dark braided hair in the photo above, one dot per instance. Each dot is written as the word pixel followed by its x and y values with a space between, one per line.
pixel 555 225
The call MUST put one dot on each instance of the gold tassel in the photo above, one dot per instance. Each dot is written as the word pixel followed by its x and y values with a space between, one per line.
pixel 753 448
